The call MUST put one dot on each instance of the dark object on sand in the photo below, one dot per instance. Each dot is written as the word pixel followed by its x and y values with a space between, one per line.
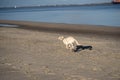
pixel 81 47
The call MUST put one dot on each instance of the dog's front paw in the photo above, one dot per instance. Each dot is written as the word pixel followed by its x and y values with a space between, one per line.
pixel 90 47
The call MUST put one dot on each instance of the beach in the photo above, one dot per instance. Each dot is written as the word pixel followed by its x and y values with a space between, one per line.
pixel 32 51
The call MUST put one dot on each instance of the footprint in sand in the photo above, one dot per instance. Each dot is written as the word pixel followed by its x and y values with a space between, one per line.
pixel 48 71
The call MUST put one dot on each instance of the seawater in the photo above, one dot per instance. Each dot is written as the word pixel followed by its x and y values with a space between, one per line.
pixel 108 15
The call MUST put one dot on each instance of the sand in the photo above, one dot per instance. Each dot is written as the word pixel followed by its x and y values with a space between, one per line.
pixel 33 52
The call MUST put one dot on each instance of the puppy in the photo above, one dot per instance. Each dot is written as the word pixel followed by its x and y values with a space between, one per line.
pixel 69 42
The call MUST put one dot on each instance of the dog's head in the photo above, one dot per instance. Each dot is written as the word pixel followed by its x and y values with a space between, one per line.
pixel 61 37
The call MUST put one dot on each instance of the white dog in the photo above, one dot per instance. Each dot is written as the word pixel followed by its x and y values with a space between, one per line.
pixel 70 42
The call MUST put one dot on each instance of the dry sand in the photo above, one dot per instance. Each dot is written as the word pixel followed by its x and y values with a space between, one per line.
pixel 34 53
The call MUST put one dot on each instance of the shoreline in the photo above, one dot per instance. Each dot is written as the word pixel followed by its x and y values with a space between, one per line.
pixel 62 27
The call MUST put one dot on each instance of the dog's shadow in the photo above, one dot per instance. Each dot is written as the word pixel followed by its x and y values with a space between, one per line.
pixel 81 47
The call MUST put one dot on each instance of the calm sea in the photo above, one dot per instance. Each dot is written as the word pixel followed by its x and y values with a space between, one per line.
pixel 108 15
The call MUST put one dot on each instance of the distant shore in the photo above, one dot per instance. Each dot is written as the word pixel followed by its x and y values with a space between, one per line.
pixel 58 5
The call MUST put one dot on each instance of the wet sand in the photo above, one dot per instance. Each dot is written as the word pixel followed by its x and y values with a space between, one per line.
pixel 33 52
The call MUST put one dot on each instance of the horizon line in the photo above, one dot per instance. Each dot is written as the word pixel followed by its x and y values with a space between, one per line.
pixel 57 5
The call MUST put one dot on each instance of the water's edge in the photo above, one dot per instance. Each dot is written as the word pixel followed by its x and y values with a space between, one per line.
pixel 74 28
